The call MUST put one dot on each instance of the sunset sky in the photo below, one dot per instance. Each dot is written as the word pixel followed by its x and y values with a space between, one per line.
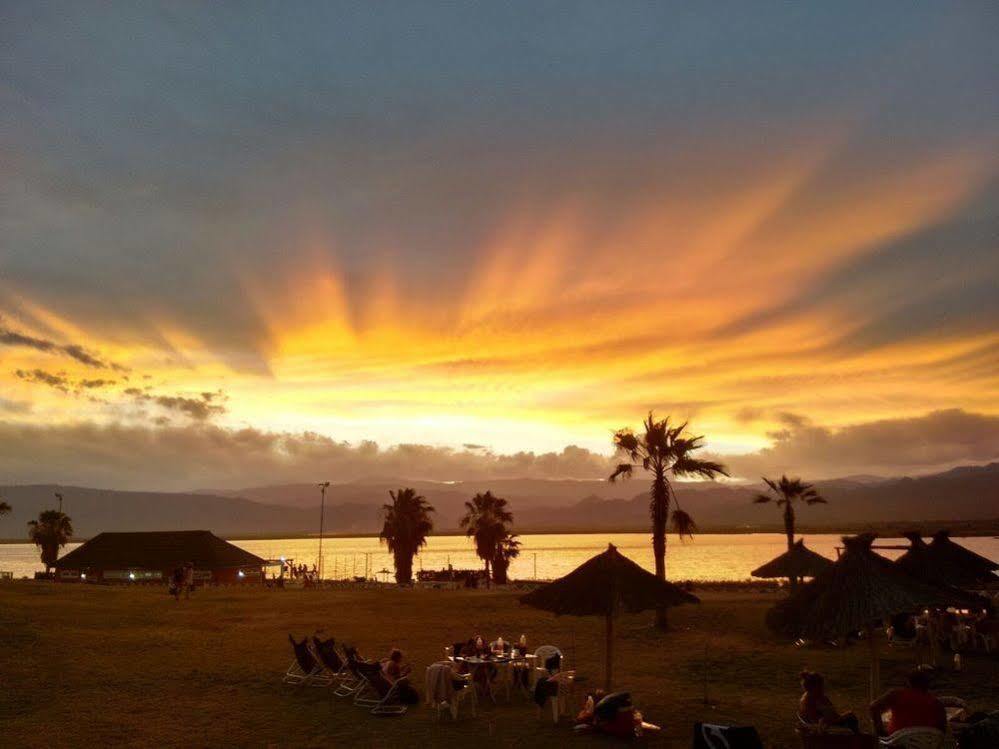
pixel 243 242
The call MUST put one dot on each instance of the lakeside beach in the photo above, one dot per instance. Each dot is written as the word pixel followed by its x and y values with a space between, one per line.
pixel 113 666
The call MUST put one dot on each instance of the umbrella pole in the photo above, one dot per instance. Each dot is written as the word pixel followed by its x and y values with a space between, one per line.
pixel 875 686
pixel 610 651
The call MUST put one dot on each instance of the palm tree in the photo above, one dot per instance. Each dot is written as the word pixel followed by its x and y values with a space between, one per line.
pixel 785 493
pixel 485 520
pixel 407 524
pixel 664 450
pixel 4 508
pixel 50 532
pixel 506 550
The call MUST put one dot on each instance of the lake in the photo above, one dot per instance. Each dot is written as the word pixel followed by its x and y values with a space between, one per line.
pixel 543 556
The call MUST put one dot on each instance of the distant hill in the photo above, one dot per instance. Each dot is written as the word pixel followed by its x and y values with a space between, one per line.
pixel 969 493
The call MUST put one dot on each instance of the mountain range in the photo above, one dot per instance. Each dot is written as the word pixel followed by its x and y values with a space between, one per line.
pixel 957 497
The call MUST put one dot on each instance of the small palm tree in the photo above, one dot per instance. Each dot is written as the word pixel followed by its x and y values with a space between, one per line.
pixel 50 532
pixel 664 450
pixel 507 550
pixel 4 508
pixel 486 521
pixel 785 492
pixel 407 523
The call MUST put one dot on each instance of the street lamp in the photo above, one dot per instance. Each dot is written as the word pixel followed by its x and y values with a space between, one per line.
pixel 322 516
pixel 59 497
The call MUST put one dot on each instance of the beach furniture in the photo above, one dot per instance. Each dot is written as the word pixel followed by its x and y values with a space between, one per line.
pixel 375 692
pixel 305 670
pixel 352 681
pixel 711 736
pixel 550 664
pixel 914 738
pixel 327 655
pixel 442 695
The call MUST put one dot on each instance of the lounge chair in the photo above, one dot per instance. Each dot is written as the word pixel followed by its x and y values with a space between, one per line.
pixel 352 680
pixel 305 670
pixel 376 694
pixel 710 736
pixel 326 653
pixel 915 738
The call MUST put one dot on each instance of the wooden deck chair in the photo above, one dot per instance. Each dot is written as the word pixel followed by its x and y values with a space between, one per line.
pixel 305 670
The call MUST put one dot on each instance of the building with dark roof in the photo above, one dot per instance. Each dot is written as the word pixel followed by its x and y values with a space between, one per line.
pixel 153 556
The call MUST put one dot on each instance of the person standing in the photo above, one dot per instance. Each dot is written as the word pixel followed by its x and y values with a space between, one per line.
pixel 188 579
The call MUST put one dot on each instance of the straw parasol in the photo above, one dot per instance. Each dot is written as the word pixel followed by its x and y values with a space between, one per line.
pixel 857 592
pixel 972 566
pixel 602 586
pixel 920 561
pixel 798 561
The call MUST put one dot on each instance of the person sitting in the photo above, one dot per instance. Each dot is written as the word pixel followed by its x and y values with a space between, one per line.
pixel 912 706
pixel 612 714
pixel 395 671
pixel 817 710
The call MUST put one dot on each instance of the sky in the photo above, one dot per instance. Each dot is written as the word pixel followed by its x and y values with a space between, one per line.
pixel 243 242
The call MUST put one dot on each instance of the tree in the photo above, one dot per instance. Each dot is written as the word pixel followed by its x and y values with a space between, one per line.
pixel 664 450
pixel 785 493
pixel 507 549
pixel 486 519
pixel 50 532
pixel 407 523
pixel 4 508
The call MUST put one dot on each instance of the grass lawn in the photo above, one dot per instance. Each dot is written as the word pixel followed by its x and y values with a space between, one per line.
pixel 104 666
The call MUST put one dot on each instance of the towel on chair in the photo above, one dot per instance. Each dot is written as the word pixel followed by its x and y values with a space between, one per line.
pixel 440 684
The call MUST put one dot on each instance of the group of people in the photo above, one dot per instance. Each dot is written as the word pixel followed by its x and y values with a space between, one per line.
pixel 478 647
pixel 910 706
pixel 182 581
pixel 299 571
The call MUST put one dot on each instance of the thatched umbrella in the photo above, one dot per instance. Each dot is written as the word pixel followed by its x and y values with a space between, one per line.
pixel 972 566
pixel 922 562
pixel 602 586
pixel 799 561
pixel 859 590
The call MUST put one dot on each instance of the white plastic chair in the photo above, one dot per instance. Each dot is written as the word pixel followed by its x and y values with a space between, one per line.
pixel 915 738
pixel 458 696
pixel 558 701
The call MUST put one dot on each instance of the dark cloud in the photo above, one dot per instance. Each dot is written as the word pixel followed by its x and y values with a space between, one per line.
pixel 10 337
pixel 199 455
pixel 94 384
pixel 198 409
pixel 41 377
pixel 889 447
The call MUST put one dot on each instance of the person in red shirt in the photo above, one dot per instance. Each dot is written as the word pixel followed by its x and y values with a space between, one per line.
pixel 912 706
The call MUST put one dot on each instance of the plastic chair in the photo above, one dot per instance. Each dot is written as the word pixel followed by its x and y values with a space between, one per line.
pixel 559 700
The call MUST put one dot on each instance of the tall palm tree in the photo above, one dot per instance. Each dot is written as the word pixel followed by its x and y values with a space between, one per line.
pixel 664 450
pixel 50 532
pixel 507 550
pixel 407 523
pixel 486 521
pixel 785 492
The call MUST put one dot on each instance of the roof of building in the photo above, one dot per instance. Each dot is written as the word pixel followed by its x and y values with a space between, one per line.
pixel 158 550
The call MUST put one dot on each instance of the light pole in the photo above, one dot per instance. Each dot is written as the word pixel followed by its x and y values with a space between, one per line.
pixel 59 497
pixel 322 517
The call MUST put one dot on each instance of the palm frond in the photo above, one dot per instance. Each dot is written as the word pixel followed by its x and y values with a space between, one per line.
pixel 623 470
pixel 683 524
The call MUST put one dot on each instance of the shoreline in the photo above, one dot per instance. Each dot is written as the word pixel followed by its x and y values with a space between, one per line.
pixel 893 529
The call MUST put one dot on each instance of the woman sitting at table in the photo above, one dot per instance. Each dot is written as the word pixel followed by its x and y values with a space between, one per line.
pixel 911 707
pixel 816 709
